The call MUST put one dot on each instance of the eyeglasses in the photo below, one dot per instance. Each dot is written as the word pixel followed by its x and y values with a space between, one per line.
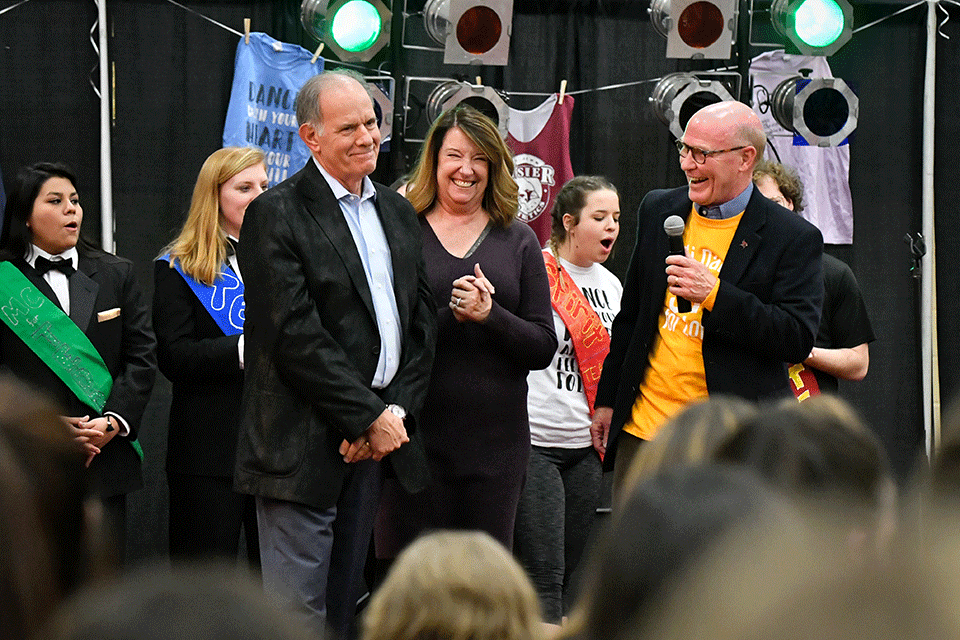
pixel 700 155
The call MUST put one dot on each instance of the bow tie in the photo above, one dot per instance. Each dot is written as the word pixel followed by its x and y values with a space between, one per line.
pixel 65 267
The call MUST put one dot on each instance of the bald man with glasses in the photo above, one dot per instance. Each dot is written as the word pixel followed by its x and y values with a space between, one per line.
pixel 751 272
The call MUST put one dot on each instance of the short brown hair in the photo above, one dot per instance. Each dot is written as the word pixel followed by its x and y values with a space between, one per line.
pixel 786 179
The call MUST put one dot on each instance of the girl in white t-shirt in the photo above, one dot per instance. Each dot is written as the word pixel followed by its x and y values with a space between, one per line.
pixel 562 490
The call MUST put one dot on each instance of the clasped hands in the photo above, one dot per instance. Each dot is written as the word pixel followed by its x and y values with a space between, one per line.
pixel 471 298
pixel 689 279
pixel 93 435
pixel 386 434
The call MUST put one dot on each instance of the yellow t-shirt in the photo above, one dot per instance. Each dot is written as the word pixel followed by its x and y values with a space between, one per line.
pixel 675 375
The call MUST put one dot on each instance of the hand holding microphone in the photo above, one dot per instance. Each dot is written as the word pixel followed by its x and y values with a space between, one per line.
pixel 673 226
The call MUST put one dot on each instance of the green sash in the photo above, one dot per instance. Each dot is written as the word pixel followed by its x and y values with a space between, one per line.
pixel 56 339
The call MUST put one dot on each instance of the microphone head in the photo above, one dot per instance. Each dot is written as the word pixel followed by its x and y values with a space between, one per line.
pixel 673 226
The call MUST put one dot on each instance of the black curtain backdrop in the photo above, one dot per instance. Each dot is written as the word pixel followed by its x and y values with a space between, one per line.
pixel 173 73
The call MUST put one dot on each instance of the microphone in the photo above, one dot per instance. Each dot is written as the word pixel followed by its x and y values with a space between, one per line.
pixel 673 226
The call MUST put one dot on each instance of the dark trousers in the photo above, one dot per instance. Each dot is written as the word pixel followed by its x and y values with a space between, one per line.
pixel 206 517
pixel 313 559
pixel 557 509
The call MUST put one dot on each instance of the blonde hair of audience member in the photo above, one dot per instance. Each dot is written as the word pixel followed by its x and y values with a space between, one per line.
pixel 201 246
pixel 454 585
pixel 188 602
pixel 761 586
pixel 48 522
pixel 690 437
pixel 662 531
pixel 500 199
pixel 820 453
pixel 785 180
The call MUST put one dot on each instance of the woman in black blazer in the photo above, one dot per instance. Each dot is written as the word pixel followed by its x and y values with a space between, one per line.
pixel 76 300
pixel 198 316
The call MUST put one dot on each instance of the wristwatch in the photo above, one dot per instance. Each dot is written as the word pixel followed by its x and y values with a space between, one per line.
pixel 397 410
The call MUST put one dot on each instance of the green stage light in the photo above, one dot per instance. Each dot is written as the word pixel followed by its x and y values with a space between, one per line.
pixel 355 30
pixel 816 27
pixel 356 25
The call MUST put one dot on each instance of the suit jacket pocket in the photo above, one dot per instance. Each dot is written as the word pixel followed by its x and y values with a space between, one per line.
pixel 276 425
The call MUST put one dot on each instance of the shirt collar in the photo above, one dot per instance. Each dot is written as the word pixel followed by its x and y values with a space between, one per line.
pixel 34 252
pixel 367 190
pixel 733 207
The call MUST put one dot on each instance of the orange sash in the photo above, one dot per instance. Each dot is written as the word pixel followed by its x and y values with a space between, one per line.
pixel 590 338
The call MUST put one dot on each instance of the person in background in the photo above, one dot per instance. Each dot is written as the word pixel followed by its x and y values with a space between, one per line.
pixel 50 525
pixel 76 325
pixel 198 318
pixel 492 302
pixel 841 349
pixel 751 274
pixel 562 491
pixel 454 585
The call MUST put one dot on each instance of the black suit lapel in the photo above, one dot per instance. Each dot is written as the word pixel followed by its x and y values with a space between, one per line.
pixel 83 293
pixel 325 210
pixel 745 241
pixel 402 272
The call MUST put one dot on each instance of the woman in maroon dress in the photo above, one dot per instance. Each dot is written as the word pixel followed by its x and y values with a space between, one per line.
pixel 495 324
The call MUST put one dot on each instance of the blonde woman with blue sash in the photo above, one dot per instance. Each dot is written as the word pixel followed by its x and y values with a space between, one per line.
pixel 198 314
pixel 74 324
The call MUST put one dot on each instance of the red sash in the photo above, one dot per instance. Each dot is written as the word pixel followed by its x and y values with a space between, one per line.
pixel 803 382
pixel 591 342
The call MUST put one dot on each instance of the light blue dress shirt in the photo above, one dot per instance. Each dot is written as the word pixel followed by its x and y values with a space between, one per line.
pixel 361 215
pixel 732 208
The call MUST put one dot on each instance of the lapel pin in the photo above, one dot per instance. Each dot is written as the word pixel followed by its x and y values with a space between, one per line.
pixel 743 245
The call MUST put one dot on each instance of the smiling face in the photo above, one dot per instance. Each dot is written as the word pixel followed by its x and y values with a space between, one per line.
pixel 591 239
pixel 236 193
pixel 463 172
pixel 347 142
pixel 722 176
pixel 55 220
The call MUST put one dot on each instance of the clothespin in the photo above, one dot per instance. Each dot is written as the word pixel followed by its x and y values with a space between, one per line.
pixel 246 31
pixel 316 54
pixel 479 82
pixel 563 90
pixel 278 46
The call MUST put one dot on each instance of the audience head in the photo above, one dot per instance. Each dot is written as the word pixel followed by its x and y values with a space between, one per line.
pixel 454 585
pixel 229 180
pixel 780 184
pixel 820 454
pixel 658 535
pixel 719 148
pixel 595 201
pixel 691 436
pixel 338 123
pixel 48 520
pixel 43 209
pixel 203 602
pixel 459 130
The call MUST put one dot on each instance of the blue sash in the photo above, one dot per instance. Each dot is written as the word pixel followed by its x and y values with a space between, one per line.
pixel 223 300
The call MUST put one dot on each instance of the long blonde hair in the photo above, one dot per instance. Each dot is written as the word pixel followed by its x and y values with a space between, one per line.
pixel 201 247
pixel 500 200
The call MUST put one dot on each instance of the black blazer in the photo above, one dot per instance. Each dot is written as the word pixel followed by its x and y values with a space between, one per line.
pixel 766 312
pixel 126 343
pixel 203 366
pixel 312 343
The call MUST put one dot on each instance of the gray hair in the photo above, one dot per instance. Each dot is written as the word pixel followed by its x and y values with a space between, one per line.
pixel 308 98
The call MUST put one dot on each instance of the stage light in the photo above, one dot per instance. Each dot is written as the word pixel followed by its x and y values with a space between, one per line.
pixel 678 96
pixel 471 31
pixel 815 27
pixel 355 30
pixel 821 112
pixel 695 28
pixel 383 107
pixel 484 99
